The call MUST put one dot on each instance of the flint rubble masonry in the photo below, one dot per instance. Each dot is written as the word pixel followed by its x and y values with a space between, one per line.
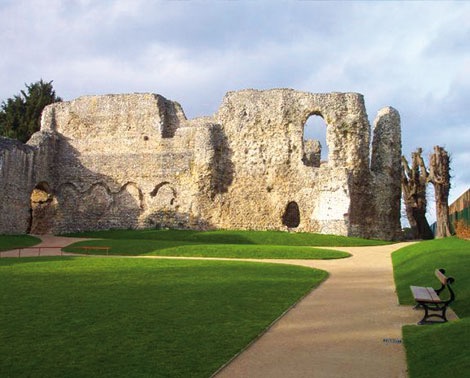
pixel 135 161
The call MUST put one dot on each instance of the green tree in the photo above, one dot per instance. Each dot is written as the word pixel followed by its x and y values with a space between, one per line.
pixel 20 116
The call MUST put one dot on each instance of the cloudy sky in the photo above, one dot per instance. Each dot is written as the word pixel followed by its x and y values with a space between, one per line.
pixel 414 56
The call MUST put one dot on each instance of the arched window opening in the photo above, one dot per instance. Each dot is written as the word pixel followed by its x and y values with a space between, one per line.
pixel 291 216
pixel 315 147
pixel 165 195
pixel 155 190
pixel 43 207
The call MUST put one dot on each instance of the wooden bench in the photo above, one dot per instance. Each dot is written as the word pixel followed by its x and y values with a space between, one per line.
pixel 88 248
pixel 429 299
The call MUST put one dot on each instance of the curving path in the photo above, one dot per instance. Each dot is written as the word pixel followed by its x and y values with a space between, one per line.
pixel 350 326
pixel 54 242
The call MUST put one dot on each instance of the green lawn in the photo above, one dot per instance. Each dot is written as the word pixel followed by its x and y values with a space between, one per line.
pixel 234 237
pixel 186 318
pixel 135 247
pixel 222 243
pixel 77 317
pixel 415 265
pixel 437 350
pixel 8 242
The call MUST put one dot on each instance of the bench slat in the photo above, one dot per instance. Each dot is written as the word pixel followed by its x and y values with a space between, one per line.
pixel 425 294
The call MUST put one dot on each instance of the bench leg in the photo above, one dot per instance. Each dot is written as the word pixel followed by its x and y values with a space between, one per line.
pixel 427 316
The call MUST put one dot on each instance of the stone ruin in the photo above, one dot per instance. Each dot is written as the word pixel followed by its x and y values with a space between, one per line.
pixel 135 161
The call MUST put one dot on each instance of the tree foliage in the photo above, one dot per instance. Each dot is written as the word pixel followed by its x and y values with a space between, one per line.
pixel 20 116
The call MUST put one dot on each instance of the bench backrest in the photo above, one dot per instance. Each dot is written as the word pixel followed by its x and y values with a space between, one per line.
pixel 445 283
pixel 442 277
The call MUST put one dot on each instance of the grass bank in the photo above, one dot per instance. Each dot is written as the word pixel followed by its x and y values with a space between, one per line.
pixel 222 243
pixel 8 242
pixel 437 350
pixel 135 247
pixel 78 317
pixel 234 237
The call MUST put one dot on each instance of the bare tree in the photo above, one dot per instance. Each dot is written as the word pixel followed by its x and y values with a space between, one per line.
pixel 439 176
pixel 413 183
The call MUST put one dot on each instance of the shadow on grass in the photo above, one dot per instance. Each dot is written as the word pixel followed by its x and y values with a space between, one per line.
pixel 188 249
pixel 8 242
pixel 76 317
pixel 233 237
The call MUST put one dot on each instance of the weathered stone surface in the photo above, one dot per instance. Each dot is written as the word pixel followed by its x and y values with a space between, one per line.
pixel 16 170
pixel 133 161
pixel 386 157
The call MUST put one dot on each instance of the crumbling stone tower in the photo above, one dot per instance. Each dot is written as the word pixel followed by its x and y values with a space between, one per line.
pixel 135 161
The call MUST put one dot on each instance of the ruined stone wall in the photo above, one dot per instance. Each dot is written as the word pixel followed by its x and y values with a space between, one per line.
pixel 22 167
pixel 134 161
pixel 16 171
pixel 265 130
pixel 385 174
pixel 123 161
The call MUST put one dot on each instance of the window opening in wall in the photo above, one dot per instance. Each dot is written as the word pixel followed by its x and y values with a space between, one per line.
pixel 315 130
pixel 155 190
pixel 43 208
pixel 291 216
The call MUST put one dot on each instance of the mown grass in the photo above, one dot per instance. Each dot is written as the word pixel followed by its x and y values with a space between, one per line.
pixel 441 349
pixel 234 237
pixel 8 242
pixel 438 350
pixel 77 317
pixel 221 243
pixel 137 247
pixel 415 265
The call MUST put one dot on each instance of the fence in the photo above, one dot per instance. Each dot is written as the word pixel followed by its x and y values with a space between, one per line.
pixel 459 210
pixel 30 251
pixel 36 251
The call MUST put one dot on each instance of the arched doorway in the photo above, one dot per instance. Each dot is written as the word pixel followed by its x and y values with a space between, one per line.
pixel 43 208
pixel 291 216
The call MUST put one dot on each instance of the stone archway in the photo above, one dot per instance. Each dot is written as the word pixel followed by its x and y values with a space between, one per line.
pixel 43 209
pixel 291 216
pixel 314 141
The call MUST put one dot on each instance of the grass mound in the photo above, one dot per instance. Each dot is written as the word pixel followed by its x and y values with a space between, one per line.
pixel 8 242
pixel 135 247
pixel 441 349
pixel 76 317
pixel 221 243
pixel 234 237
pixel 415 265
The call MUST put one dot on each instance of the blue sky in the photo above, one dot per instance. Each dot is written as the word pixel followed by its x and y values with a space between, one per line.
pixel 412 55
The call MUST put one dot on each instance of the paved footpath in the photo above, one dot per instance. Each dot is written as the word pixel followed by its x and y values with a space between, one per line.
pixel 54 242
pixel 350 326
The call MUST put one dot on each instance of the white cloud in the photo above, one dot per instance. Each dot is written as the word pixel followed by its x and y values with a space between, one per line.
pixel 411 55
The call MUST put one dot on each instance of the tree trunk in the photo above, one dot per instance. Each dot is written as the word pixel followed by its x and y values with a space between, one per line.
pixel 439 175
pixel 423 230
pixel 406 188
pixel 414 182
